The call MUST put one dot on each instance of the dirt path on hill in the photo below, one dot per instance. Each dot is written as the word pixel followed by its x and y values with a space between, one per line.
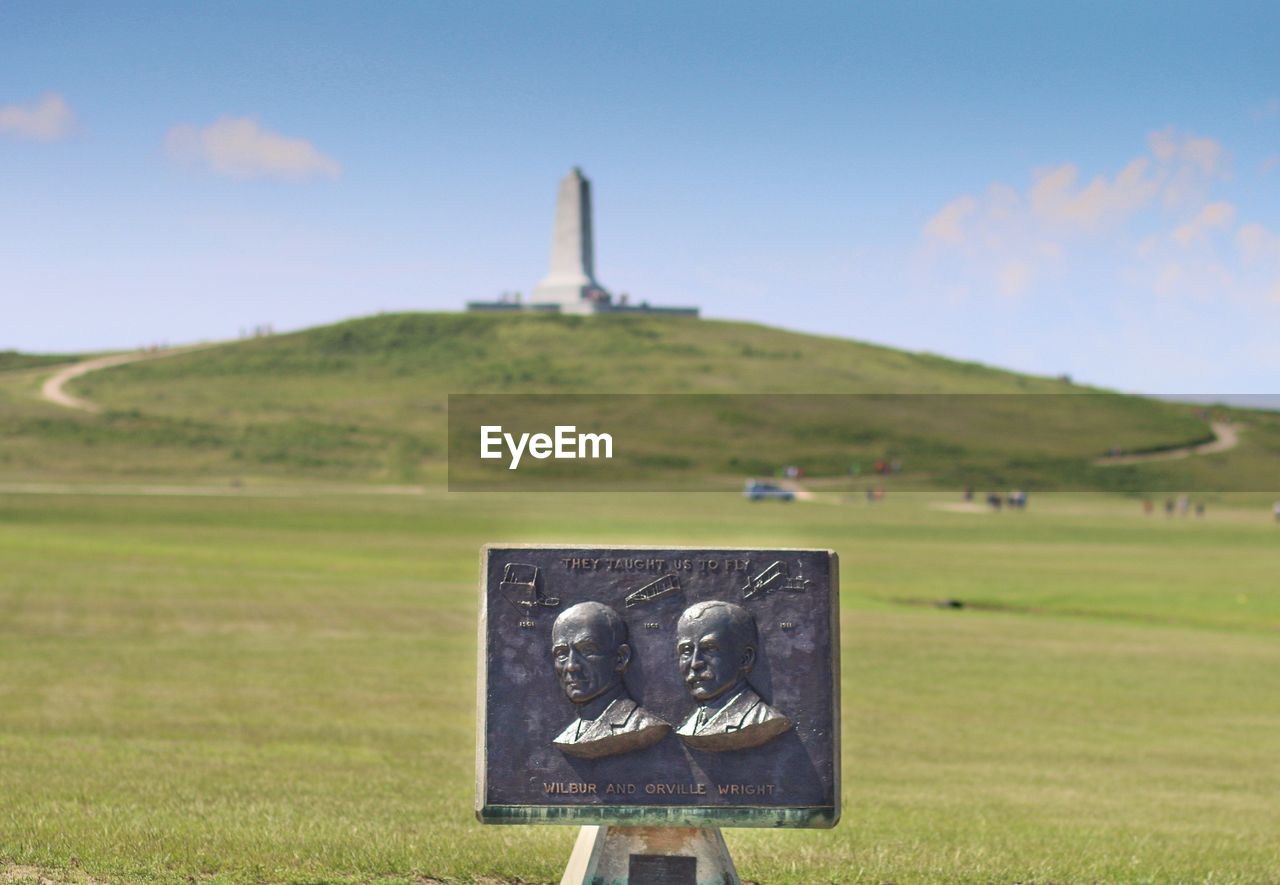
pixel 52 389
pixel 1227 438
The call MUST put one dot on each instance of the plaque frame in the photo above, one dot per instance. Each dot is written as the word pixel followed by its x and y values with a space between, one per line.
pixel 821 815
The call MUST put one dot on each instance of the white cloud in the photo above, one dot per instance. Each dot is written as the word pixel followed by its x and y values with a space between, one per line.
pixel 1205 153
pixel 238 147
pixel 1202 279
pixel 1055 198
pixel 48 119
pixel 946 226
pixel 1011 241
pixel 1243 268
pixel 1189 164
pixel 1257 244
pixel 1214 215
pixel 1014 278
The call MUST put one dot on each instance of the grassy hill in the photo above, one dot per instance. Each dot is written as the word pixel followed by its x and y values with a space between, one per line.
pixel 365 400
pixel 12 359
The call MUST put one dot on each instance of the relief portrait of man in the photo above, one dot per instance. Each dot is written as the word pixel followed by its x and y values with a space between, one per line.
pixel 716 645
pixel 590 652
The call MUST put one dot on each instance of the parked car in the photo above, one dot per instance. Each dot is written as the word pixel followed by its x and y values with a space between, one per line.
pixel 763 491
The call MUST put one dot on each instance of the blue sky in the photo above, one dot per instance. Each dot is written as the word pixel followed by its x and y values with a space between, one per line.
pixel 1091 189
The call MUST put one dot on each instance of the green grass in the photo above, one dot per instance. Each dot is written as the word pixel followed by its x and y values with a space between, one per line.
pixel 240 671
pixel 365 401
pixel 282 689
pixel 12 359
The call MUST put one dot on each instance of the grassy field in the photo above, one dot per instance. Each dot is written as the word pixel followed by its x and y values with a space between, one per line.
pixel 237 611
pixel 282 688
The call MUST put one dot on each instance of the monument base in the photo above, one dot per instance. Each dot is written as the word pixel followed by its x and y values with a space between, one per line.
pixel 650 856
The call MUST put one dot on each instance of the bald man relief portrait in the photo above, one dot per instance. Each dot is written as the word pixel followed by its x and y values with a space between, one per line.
pixel 590 652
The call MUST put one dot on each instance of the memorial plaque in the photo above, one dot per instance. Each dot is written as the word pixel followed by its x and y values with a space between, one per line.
pixel 643 686
pixel 662 869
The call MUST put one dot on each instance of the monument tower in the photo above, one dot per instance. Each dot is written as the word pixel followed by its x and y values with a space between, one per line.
pixel 570 286
pixel 571 282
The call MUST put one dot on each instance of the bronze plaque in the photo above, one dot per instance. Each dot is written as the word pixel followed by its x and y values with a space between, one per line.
pixel 648 686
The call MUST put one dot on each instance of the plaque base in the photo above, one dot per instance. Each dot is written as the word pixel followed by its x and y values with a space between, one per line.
pixel 650 856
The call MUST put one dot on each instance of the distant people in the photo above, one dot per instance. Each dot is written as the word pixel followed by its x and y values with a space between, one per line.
pixel 1148 506
pixel 1184 504
pixel 968 493
pixel 1199 509
pixel 994 501
pixel 1276 510
pixel 1168 507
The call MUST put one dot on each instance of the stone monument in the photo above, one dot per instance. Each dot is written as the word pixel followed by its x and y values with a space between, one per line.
pixel 571 282
pixel 654 695
pixel 570 285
